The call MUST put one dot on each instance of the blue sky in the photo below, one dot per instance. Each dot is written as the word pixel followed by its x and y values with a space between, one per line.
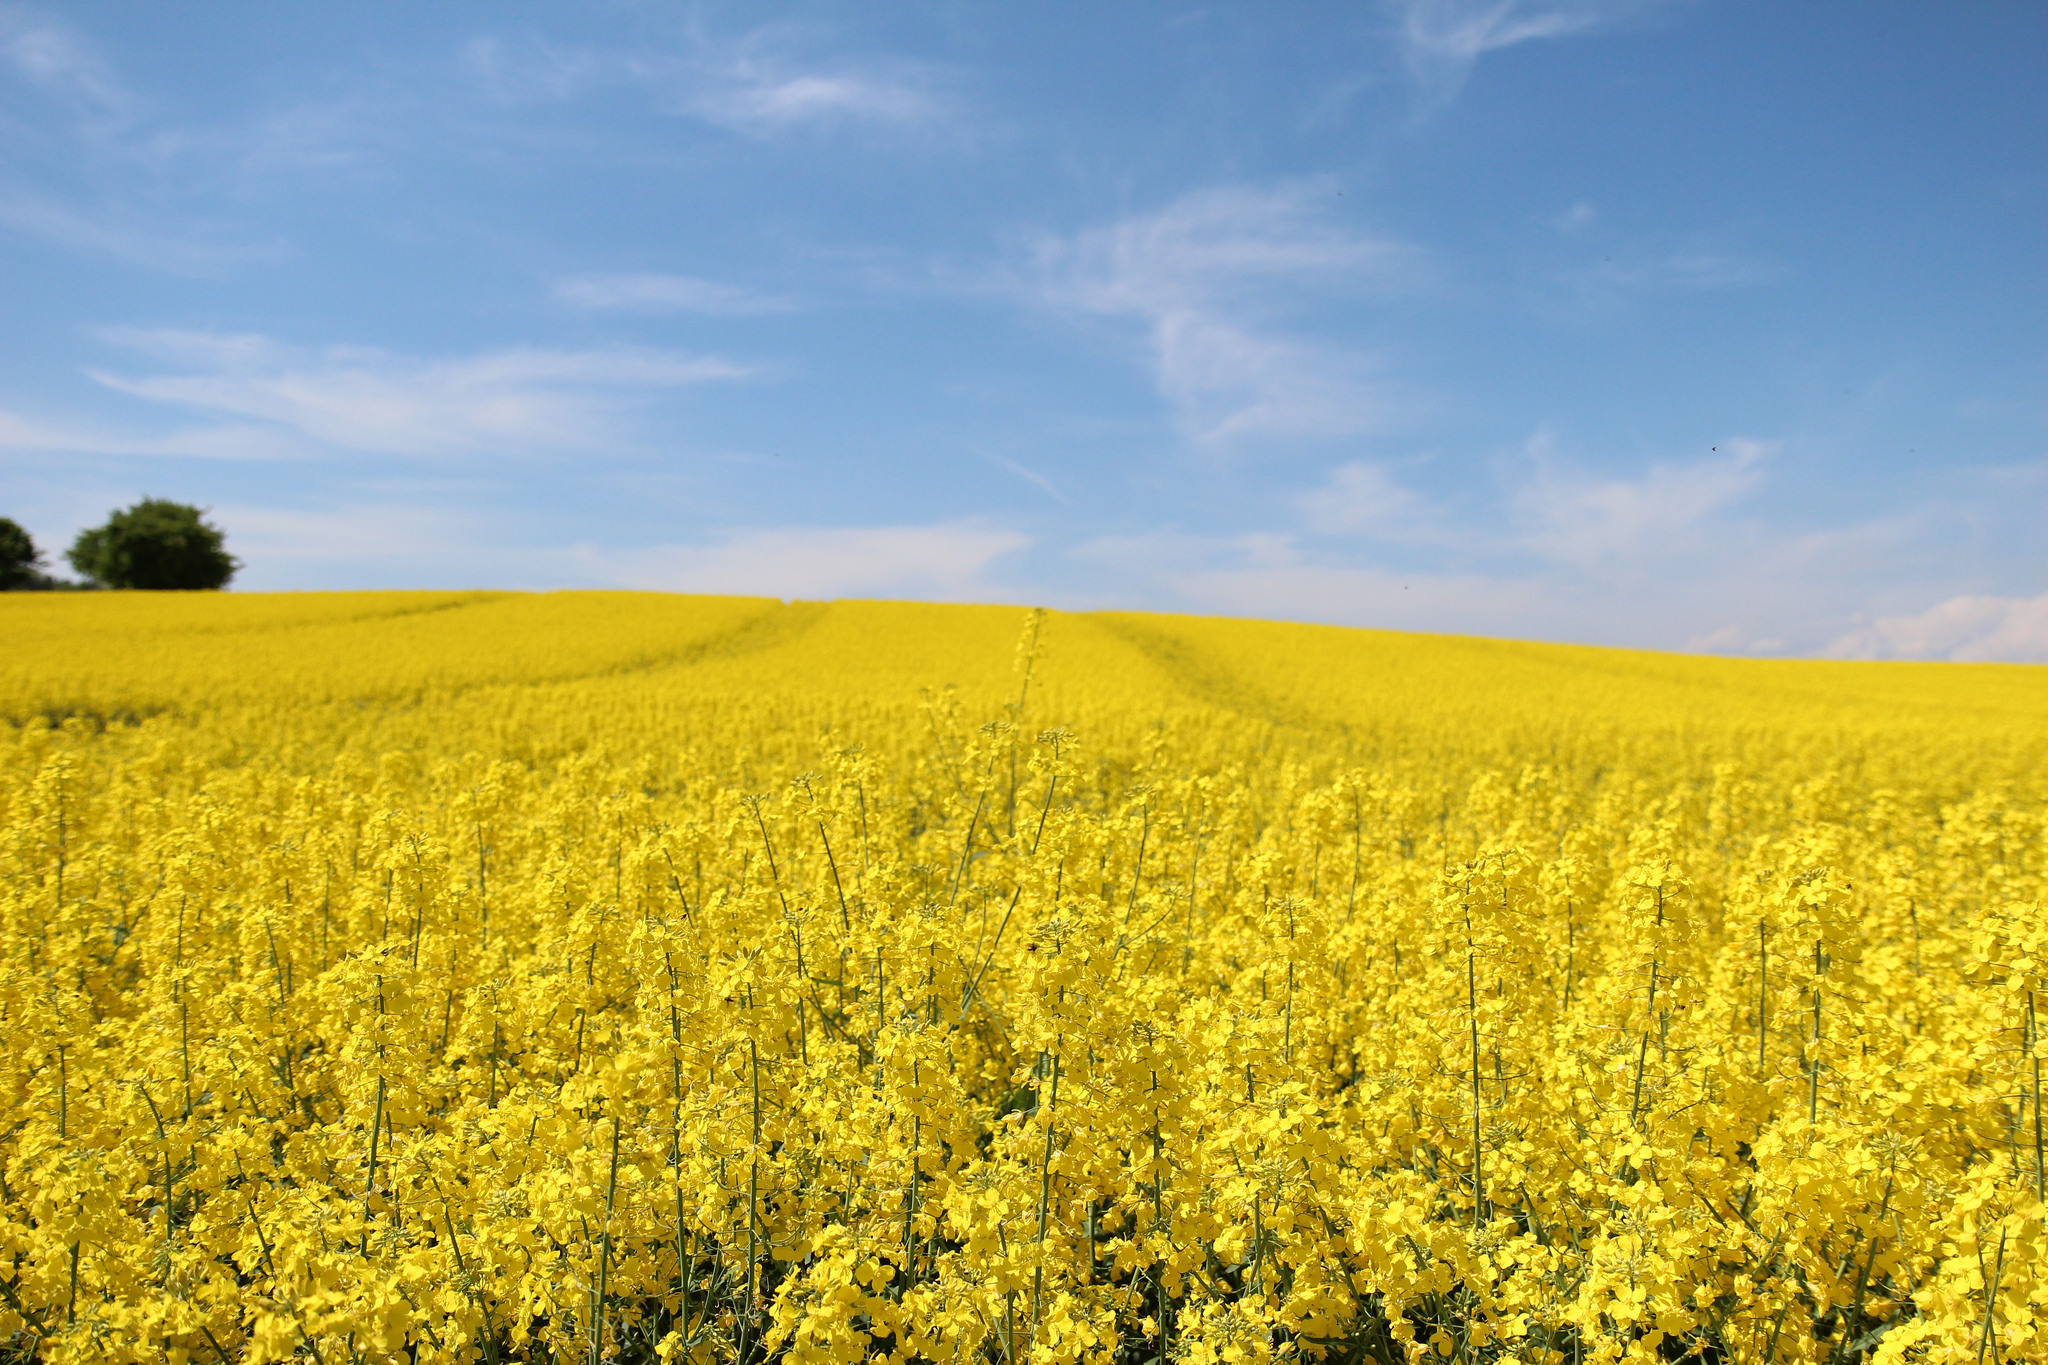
pixel 1681 325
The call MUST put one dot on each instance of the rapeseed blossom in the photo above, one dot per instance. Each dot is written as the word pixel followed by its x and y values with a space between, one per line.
pixel 475 977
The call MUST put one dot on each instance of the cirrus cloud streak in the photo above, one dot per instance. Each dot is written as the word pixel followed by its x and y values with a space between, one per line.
pixel 368 399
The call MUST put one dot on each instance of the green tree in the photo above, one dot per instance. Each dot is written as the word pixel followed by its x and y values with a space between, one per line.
pixel 21 563
pixel 156 544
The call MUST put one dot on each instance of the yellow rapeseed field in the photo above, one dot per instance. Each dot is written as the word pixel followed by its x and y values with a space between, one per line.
pixel 610 977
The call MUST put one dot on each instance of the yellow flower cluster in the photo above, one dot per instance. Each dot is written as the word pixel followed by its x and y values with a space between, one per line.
pixel 483 977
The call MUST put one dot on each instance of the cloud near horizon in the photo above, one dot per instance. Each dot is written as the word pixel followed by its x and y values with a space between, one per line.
pixel 1677 551
pixel 1963 629
pixel 945 560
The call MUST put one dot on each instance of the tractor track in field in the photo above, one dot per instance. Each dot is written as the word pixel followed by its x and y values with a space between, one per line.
pixel 1205 677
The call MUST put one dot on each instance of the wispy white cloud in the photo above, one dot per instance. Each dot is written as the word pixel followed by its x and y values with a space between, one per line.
pixel 1364 498
pixel 946 559
pixel 220 442
pixel 1619 280
pixel 1576 219
pixel 63 63
pixel 321 137
pixel 1028 474
pixel 1218 247
pixel 1574 518
pixel 101 170
pixel 761 83
pixel 760 96
pixel 534 71
pixel 128 232
pixel 1681 270
pixel 1541 507
pixel 359 398
pixel 1210 276
pixel 1977 629
pixel 657 293
pixel 1442 39
pixel 1227 380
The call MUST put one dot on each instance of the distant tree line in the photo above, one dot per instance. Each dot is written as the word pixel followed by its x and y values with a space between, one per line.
pixel 155 545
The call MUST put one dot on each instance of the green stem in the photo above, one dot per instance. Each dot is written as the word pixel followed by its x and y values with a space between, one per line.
pixel 370 1184
pixel 1044 1201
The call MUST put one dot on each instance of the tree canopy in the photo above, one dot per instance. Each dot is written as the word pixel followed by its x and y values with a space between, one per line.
pixel 158 545
pixel 21 563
